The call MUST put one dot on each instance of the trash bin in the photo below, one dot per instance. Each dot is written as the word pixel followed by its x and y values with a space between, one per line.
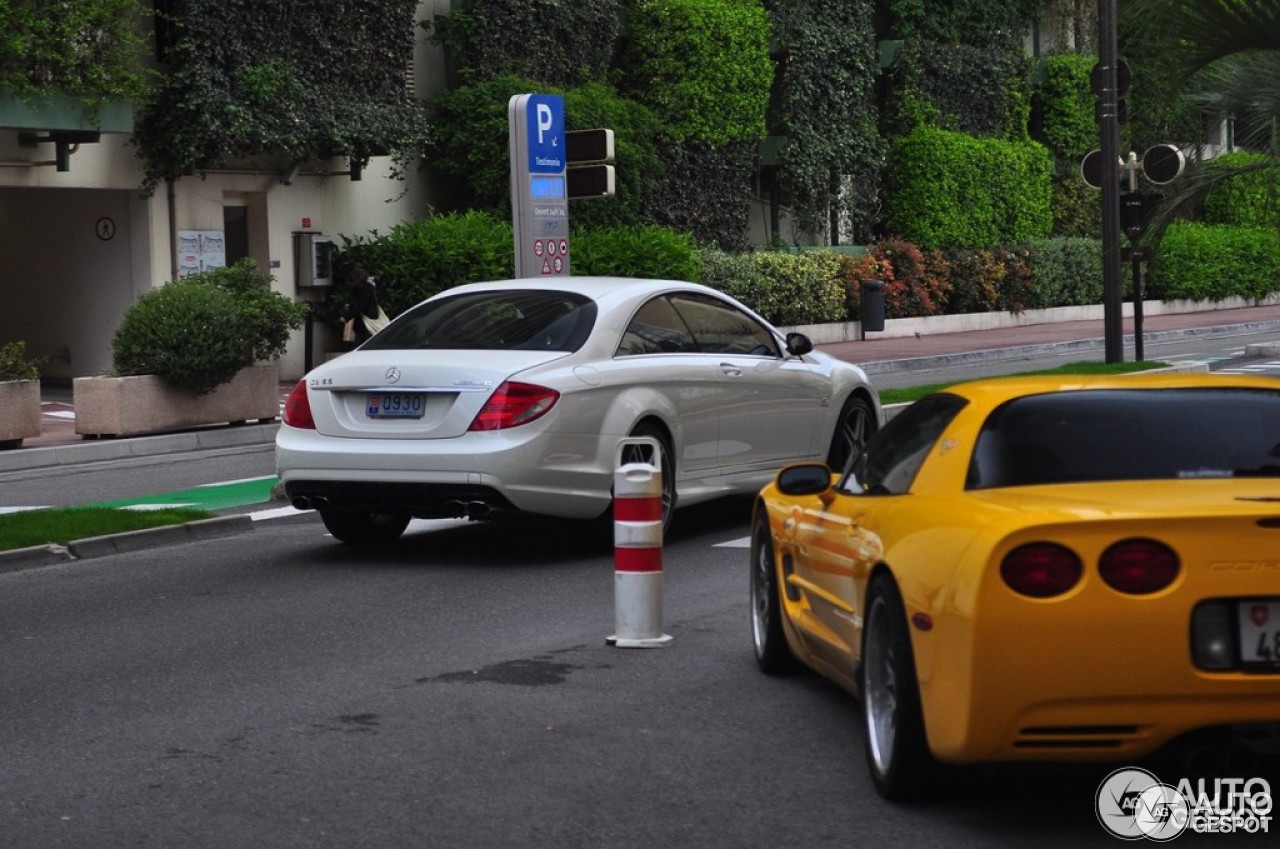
pixel 871 311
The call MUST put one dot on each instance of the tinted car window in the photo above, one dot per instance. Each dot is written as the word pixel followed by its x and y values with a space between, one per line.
pixel 1123 434
pixel 506 320
pixel 892 457
pixel 656 328
pixel 721 328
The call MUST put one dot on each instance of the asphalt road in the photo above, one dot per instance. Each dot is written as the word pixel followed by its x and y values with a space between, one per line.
pixel 1220 352
pixel 452 690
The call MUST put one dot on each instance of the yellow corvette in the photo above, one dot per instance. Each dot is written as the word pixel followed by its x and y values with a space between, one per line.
pixel 1037 568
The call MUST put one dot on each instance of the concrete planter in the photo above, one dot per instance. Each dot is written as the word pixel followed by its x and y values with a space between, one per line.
pixel 130 406
pixel 19 411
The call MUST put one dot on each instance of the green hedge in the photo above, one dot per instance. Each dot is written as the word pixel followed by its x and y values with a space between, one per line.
pixel 652 251
pixel 419 258
pixel 785 288
pixel 1210 262
pixel 952 190
pixel 1251 199
pixel 1067 272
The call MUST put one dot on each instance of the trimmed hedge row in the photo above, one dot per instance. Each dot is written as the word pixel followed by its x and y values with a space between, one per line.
pixel 1208 262
pixel 819 286
pixel 950 189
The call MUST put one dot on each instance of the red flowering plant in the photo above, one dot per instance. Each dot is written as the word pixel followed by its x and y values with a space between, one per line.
pixel 854 270
pixel 920 284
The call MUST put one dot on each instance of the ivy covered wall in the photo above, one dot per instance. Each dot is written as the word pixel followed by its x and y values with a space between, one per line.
pixel 298 80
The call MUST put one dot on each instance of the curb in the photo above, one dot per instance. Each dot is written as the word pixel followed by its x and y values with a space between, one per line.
pixel 1018 351
pixel 52 554
pixel 138 447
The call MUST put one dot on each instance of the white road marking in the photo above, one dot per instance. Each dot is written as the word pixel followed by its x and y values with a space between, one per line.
pixel 744 542
pixel 277 513
pixel 240 480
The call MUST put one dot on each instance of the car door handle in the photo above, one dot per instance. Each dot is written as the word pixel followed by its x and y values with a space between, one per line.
pixel 731 370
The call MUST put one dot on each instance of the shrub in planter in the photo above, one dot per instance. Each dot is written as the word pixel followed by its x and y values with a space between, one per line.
pixel 15 364
pixel 270 316
pixel 19 395
pixel 198 333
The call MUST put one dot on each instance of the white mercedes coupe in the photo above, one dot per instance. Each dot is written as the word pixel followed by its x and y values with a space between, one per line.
pixel 511 397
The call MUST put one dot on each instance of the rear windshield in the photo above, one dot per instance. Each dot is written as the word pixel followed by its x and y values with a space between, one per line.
pixel 1122 434
pixel 507 320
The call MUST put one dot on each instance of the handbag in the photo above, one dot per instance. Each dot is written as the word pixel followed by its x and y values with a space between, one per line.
pixel 373 325
pixel 348 330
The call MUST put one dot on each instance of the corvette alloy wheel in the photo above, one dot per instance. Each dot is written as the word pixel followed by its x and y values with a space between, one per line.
pixel 773 655
pixel 897 752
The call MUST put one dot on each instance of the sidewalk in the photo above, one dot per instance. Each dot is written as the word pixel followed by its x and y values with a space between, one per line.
pixel 927 351
pixel 59 444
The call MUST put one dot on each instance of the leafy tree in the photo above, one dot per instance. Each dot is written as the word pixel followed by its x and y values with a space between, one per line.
pixel 1222 56
pixel 89 48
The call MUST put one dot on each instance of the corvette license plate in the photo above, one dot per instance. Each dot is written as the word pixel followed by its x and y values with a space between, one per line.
pixel 396 405
pixel 1260 632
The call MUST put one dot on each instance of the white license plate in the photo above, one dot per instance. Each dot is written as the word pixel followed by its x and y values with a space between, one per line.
pixel 1259 632
pixel 396 405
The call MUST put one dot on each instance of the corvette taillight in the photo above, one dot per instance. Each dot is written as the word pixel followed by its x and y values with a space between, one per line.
pixel 1138 566
pixel 1041 569
pixel 297 408
pixel 513 404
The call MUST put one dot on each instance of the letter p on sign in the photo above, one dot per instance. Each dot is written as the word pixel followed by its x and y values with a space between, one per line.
pixel 544 119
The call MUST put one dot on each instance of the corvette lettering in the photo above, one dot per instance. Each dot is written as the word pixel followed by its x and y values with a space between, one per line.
pixel 1245 566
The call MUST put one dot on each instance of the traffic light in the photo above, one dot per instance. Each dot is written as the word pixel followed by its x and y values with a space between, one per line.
pixel 587 153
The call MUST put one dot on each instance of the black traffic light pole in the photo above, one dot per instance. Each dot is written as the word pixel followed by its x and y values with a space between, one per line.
pixel 1108 127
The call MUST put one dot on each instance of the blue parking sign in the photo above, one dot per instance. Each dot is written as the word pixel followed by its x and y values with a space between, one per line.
pixel 546 133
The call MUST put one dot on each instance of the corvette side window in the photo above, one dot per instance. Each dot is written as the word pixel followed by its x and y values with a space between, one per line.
pixel 656 328
pixel 893 456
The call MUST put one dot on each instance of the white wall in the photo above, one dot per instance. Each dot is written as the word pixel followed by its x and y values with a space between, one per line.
pixel 65 288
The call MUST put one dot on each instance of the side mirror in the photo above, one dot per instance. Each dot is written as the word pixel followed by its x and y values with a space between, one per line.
pixel 804 479
pixel 798 344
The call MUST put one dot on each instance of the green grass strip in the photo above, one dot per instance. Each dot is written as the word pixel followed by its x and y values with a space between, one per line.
pixel 911 393
pixel 61 525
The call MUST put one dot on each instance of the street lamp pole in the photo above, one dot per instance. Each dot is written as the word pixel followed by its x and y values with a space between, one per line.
pixel 1109 129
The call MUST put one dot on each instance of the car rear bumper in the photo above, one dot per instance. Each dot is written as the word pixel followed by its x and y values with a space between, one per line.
pixel 572 481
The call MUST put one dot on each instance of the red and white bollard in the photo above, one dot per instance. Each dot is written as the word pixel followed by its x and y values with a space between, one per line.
pixel 637 550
